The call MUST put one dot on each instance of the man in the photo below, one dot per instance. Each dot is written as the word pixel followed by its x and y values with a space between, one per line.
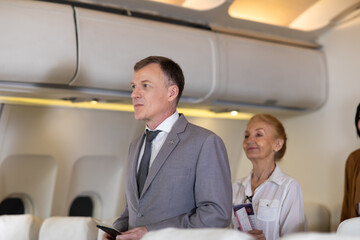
pixel 188 183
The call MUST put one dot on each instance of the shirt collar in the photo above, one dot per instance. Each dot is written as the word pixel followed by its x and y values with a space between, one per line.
pixel 168 123
pixel 276 177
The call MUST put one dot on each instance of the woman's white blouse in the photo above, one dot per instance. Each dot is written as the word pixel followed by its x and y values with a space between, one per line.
pixel 278 204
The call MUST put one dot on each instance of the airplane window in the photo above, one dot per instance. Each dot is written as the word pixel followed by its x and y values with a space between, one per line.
pixel 82 207
pixel 11 206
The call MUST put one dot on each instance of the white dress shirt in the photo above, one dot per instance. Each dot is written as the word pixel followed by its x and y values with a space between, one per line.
pixel 159 140
pixel 278 204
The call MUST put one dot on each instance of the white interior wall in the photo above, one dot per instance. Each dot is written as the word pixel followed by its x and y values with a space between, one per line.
pixel 30 177
pixel 319 142
pixel 68 135
pixel 100 178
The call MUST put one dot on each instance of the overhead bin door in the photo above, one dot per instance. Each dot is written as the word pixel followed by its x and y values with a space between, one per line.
pixel 110 45
pixel 269 74
pixel 37 42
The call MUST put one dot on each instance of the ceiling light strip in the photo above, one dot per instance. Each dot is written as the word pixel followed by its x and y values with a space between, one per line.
pixel 119 107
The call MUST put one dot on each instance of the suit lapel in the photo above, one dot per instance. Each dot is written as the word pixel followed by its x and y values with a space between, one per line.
pixel 170 143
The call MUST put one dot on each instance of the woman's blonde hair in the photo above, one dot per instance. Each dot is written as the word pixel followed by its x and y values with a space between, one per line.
pixel 279 130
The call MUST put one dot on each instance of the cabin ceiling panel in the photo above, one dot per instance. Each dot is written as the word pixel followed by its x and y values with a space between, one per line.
pixel 276 12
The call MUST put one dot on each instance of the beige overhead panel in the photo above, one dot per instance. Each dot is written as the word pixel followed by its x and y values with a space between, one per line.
pixel 258 74
pixel 223 72
pixel 37 43
pixel 110 45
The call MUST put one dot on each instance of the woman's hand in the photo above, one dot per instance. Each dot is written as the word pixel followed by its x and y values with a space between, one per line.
pixel 258 234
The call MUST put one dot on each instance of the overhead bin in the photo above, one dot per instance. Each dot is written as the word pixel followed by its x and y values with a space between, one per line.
pixel 263 74
pixel 90 54
pixel 110 45
pixel 221 71
pixel 37 43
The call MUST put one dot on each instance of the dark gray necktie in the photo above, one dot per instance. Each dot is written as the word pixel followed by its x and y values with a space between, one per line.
pixel 145 160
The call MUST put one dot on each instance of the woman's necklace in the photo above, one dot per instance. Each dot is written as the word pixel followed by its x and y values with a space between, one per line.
pixel 256 184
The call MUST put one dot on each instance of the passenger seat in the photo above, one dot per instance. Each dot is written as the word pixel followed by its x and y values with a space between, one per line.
pixel 60 228
pixel 24 227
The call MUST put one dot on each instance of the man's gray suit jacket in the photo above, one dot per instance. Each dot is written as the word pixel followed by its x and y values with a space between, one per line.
pixel 188 185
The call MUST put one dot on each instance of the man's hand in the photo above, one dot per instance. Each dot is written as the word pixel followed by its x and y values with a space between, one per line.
pixel 258 234
pixel 133 234
pixel 107 237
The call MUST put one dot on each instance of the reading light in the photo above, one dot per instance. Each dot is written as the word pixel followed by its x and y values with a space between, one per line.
pixel 94 101
pixel 200 5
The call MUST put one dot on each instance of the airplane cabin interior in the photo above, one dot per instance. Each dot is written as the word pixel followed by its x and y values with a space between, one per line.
pixel 66 116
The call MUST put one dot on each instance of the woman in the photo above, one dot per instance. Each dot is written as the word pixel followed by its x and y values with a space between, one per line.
pixel 351 203
pixel 276 198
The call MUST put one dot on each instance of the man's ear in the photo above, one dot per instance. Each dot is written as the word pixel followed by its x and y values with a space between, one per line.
pixel 173 92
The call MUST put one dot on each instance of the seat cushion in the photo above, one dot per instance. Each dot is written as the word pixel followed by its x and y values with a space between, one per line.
pixel 60 228
pixel 198 234
pixel 349 226
pixel 25 227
